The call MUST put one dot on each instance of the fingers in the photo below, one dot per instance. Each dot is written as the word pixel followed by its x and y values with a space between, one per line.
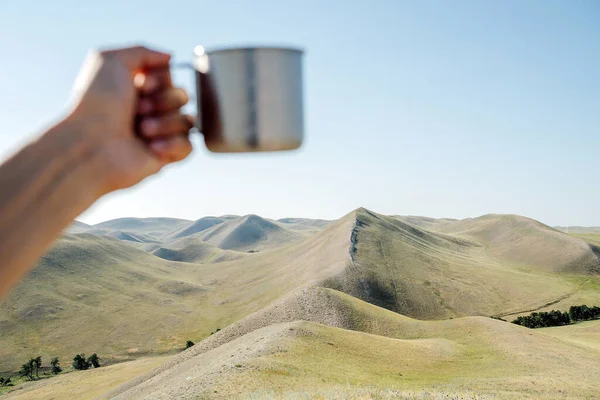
pixel 171 149
pixel 162 101
pixel 167 125
pixel 139 57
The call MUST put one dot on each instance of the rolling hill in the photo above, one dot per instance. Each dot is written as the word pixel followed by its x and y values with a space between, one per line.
pixel 375 347
pixel 194 250
pixel 195 227
pixel 414 285
pixel 110 288
pixel 250 232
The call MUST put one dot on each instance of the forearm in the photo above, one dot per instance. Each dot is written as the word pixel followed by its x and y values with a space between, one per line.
pixel 44 187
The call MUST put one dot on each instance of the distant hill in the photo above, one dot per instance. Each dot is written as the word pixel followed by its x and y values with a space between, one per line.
pixel 77 227
pixel 250 232
pixel 149 226
pixel 196 226
pixel 578 229
pixel 194 250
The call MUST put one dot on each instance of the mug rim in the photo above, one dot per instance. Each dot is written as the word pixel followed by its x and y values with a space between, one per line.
pixel 221 49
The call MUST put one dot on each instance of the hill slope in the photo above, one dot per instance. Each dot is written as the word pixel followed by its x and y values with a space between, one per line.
pixel 89 287
pixel 477 270
pixel 195 227
pixel 472 353
pixel 194 250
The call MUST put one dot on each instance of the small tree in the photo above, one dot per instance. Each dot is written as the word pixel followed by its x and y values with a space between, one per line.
pixel 189 344
pixel 27 370
pixel 5 382
pixel 56 369
pixel 94 360
pixel 80 363
pixel 37 363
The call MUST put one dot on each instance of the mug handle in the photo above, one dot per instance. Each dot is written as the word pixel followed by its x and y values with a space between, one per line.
pixel 196 97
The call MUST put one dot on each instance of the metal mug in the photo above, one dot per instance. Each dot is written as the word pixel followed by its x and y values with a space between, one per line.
pixel 249 99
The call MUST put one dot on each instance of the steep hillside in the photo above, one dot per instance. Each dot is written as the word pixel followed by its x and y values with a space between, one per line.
pixel 250 232
pixel 430 275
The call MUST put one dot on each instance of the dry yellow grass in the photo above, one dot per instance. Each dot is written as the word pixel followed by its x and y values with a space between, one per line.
pixel 140 304
pixel 91 287
pixel 465 356
pixel 586 334
pixel 84 384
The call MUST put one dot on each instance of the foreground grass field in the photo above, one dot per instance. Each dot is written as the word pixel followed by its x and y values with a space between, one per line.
pixel 384 356
pixel 384 351
pixel 84 384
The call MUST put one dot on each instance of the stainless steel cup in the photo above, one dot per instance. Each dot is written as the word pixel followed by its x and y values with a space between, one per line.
pixel 250 99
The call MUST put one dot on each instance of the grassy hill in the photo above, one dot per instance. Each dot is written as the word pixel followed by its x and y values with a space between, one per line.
pixel 194 250
pixel 89 287
pixel 360 279
pixel 392 351
pixel 466 268
pixel 195 227
pixel 250 232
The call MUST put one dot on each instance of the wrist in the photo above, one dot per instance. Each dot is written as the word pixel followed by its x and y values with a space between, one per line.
pixel 78 154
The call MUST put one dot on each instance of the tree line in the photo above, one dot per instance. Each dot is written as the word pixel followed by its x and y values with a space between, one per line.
pixel 557 318
pixel 31 369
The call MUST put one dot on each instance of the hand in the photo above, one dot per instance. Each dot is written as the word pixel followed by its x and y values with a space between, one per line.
pixel 127 108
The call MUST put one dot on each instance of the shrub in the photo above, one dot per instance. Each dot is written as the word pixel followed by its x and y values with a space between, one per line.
pixel 56 369
pixel 5 382
pixel 27 370
pixel 80 363
pixel 557 318
pixel 94 360
pixel 189 344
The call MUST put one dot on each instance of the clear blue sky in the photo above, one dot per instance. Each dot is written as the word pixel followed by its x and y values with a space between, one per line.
pixel 444 109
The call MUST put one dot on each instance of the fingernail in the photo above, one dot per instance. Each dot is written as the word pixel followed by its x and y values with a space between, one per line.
pixel 159 145
pixel 150 126
pixel 183 96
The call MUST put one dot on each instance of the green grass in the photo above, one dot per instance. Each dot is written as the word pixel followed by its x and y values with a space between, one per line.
pixel 593 238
